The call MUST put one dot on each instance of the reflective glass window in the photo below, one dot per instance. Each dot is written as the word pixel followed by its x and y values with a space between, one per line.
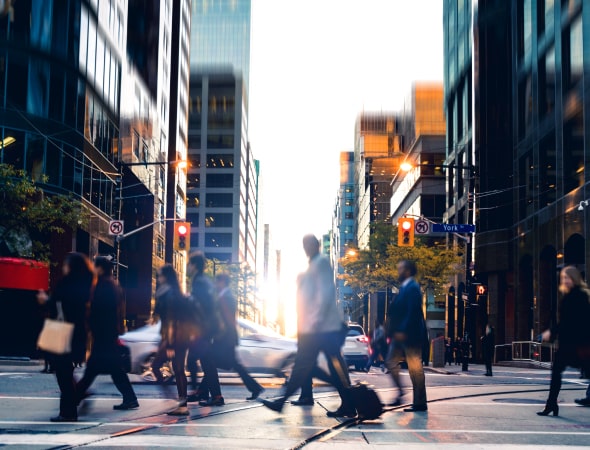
pixel 220 180
pixel 193 200
pixel 219 220
pixel 193 180
pixel 218 239
pixel 220 161
pixel 90 65
pixel 220 141
pixel 219 200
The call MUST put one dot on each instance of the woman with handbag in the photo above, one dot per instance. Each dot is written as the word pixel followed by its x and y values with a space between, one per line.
pixel 71 297
pixel 572 331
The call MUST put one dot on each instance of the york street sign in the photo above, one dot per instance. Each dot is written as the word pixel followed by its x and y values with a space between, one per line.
pixel 452 228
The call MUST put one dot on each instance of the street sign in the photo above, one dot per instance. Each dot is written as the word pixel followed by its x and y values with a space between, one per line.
pixel 452 228
pixel 422 227
pixel 116 227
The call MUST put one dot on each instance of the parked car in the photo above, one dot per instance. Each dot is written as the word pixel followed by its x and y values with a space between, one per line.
pixel 356 347
pixel 261 350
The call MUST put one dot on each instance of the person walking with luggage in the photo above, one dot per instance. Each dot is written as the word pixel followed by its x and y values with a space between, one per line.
pixel 488 342
pixel 72 295
pixel 320 329
pixel 407 329
pixel 572 331
pixel 106 323
pixel 178 330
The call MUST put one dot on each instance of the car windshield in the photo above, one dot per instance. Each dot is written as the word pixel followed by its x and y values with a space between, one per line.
pixel 355 330
pixel 247 328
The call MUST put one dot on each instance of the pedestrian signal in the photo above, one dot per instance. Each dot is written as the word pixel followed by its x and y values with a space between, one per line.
pixel 182 236
pixel 405 232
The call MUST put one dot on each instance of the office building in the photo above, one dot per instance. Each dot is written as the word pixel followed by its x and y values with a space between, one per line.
pixel 529 102
pixel 85 95
pixel 220 36
pixel 223 174
pixel 420 192
pixel 343 238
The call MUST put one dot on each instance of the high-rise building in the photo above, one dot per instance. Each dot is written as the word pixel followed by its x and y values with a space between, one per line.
pixel 223 175
pixel 178 129
pixel 223 184
pixel 220 36
pixel 377 151
pixel 343 238
pixel 526 141
pixel 85 99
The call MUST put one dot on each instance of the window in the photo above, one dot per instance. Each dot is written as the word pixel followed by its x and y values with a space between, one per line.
pixel 193 218
pixel 349 215
pixel 221 161
pixel 219 200
pixel 218 239
pixel 572 54
pixel 525 106
pixel 194 142
pixel 220 180
pixel 573 152
pixel 136 144
pixel 192 200
pixel 547 171
pixel 222 101
pixel 218 220
pixel 547 83
pixel 193 180
pixel 220 141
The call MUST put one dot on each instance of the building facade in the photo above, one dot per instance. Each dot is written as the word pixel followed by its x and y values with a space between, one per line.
pixel 343 237
pixel 223 175
pixel 527 140
pixel 83 99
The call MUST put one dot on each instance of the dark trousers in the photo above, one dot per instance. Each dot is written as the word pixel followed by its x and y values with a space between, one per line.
pixel 559 365
pixel 101 362
pixel 307 386
pixel 201 350
pixel 250 383
pixel 413 356
pixel 488 362
pixel 64 372
pixel 177 366
pixel 309 347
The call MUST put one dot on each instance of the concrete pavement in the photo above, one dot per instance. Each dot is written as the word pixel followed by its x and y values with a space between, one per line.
pixel 473 413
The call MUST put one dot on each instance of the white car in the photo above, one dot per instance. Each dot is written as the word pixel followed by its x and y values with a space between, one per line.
pixel 261 350
pixel 356 347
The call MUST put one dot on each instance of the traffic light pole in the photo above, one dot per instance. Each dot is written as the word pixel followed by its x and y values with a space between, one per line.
pixel 120 237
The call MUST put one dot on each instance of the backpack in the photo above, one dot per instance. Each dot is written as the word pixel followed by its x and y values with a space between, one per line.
pixel 366 401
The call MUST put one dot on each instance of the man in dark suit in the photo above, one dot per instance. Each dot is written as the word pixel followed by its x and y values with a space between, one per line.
pixel 407 329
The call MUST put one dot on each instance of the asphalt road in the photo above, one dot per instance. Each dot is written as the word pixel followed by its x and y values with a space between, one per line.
pixel 465 410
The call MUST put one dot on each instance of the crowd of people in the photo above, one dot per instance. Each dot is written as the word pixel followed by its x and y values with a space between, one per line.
pixel 201 326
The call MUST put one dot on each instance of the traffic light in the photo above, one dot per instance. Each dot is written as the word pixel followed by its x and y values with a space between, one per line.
pixel 405 232
pixel 182 236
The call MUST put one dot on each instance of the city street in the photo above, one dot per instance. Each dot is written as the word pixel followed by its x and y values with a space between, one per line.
pixel 465 409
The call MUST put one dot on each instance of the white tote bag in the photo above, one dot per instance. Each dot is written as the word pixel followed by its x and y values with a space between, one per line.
pixel 56 335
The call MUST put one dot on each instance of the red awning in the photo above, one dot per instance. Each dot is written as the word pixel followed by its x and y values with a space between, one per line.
pixel 18 273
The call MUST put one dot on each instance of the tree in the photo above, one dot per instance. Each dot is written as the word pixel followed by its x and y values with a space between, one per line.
pixel 29 216
pixel 375 269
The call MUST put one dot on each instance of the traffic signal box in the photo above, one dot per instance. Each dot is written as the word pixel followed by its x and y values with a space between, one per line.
pixel 182 236
pixel 405 232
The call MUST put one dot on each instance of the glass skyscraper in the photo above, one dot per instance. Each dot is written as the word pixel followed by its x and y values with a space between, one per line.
pixel 220 36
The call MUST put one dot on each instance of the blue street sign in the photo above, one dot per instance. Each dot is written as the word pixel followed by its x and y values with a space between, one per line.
pixel 452 228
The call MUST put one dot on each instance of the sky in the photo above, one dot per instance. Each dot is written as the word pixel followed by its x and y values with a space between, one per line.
pixel 315 65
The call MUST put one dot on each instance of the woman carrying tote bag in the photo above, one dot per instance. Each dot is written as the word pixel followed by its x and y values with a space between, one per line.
pixel 72 294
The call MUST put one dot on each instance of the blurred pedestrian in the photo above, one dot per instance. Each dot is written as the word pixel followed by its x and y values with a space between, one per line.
pixel 465 352
pixel 203 298
pixel 72 295
pixel 407 329
pixel 448 351
pixel 457 351
pixel 224 345
pixel 320 329
pixel 488 342
pixel 573 333
pixel 178 330
pixel 106 322
pixel 378 345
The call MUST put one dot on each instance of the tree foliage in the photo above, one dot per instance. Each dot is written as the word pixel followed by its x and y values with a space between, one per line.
pixel 29 216
pixel 375 269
